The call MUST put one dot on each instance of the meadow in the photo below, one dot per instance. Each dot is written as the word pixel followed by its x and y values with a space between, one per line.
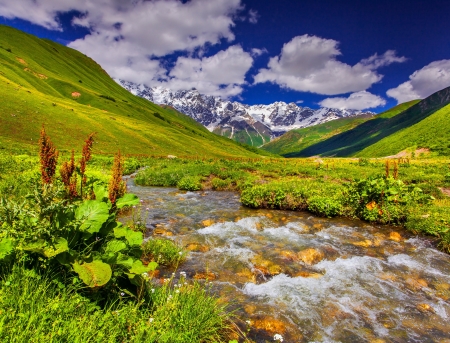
pixel 71 272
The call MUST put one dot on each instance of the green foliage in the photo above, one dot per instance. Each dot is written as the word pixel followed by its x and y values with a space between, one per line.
pixel 164 252
pixel 94 274
pixel 110 98
pixel 383 199
pixel 49 307
pixel 49 228
pixel 190 183
pixel 220 185
pixel 324 206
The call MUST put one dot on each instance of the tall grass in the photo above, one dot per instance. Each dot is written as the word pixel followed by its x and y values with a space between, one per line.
pixel 42 307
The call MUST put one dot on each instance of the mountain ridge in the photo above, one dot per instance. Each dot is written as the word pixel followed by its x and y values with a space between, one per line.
pixel 250 124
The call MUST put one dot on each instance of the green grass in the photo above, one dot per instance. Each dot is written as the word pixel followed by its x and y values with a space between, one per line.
pixel 43 307
pixel 37 80
pixel 164 252
pixel 353 141
pixel 432 132
pixel 297 140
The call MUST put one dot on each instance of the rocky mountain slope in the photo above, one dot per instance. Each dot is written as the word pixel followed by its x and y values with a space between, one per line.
pixel 254 125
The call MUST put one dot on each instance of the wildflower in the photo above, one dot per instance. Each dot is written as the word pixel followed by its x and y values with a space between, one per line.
pixel 122 294
pixel 48 157
pixel 116 188
pixel 153 290
pixel 180 253
pixel 147 209
pixel 183 274
pixel 278 337
pixel 248 322
pixel 177 291
pixel 151 320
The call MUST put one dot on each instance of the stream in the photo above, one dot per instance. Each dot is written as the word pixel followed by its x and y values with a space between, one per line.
pixel 308 279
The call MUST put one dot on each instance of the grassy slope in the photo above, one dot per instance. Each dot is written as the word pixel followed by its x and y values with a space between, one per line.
pixel 293 142
pixel 37 78
pixel 297 140
pixel 432 132
pixel 350 143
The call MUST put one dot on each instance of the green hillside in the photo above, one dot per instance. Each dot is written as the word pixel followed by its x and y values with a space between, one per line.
pixel 299 139
pixel 295 141
pixel 42 82
pixel 352 142
pixel 432 132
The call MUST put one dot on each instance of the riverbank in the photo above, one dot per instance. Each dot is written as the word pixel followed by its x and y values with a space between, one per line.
pixel 400 192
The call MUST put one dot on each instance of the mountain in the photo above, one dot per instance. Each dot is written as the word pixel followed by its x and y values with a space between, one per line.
pixel 42 82
pixel 253 125
pixel 425 124
pixel 293 142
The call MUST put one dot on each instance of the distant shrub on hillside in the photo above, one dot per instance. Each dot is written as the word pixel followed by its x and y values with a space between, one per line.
pixel 107 97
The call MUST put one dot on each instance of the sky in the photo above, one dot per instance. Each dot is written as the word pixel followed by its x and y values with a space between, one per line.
pixel 347 54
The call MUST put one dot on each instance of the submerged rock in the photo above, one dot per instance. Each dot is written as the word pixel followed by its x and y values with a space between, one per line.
pixel 207 222
pixel 310 256
pixel 395 236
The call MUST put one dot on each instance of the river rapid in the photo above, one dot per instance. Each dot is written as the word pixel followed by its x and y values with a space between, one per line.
pixel 308 279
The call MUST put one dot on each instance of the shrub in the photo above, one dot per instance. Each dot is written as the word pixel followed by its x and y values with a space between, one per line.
pixel 190 183
pixel 107 97
pixel 219 184
pixel 324 206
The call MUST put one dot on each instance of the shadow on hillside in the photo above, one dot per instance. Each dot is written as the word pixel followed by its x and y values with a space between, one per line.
pixel 352 141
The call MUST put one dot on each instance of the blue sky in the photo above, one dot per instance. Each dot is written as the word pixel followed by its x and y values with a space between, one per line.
pixel 356 54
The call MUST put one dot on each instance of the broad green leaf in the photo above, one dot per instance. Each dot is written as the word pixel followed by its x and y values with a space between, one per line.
pixel 92 214
pixel 100 191
pixel 6 248
pixel 134 238
pixel 125 261
pixel 152 265
pixel 139 268
pixel 60 246
pixel 120 231
pixel 94 274
pixel 36 246
pixel 114 246
pixel 127 200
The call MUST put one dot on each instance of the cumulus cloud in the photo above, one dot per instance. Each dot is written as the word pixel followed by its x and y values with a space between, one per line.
pixel 356 101
pixel 309 64
pixel 424 82
pixel 129 38
pixel 222 74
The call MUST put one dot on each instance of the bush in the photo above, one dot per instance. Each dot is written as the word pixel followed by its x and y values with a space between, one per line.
pixel 324 206
pixel 220 185
pixel 190 183
pixel 107 97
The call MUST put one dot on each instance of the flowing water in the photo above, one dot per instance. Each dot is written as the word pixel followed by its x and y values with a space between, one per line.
pixel 309 279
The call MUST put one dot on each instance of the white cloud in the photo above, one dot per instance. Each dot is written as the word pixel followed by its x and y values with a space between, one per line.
pixel 127 37
pixel 253 16
pixel 308 63
pixel 299 102
pixel 356 101
pixel 258 52
pixel 222 74
pixel 424 82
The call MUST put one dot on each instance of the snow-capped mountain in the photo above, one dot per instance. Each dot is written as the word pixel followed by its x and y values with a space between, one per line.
pixel 254 125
